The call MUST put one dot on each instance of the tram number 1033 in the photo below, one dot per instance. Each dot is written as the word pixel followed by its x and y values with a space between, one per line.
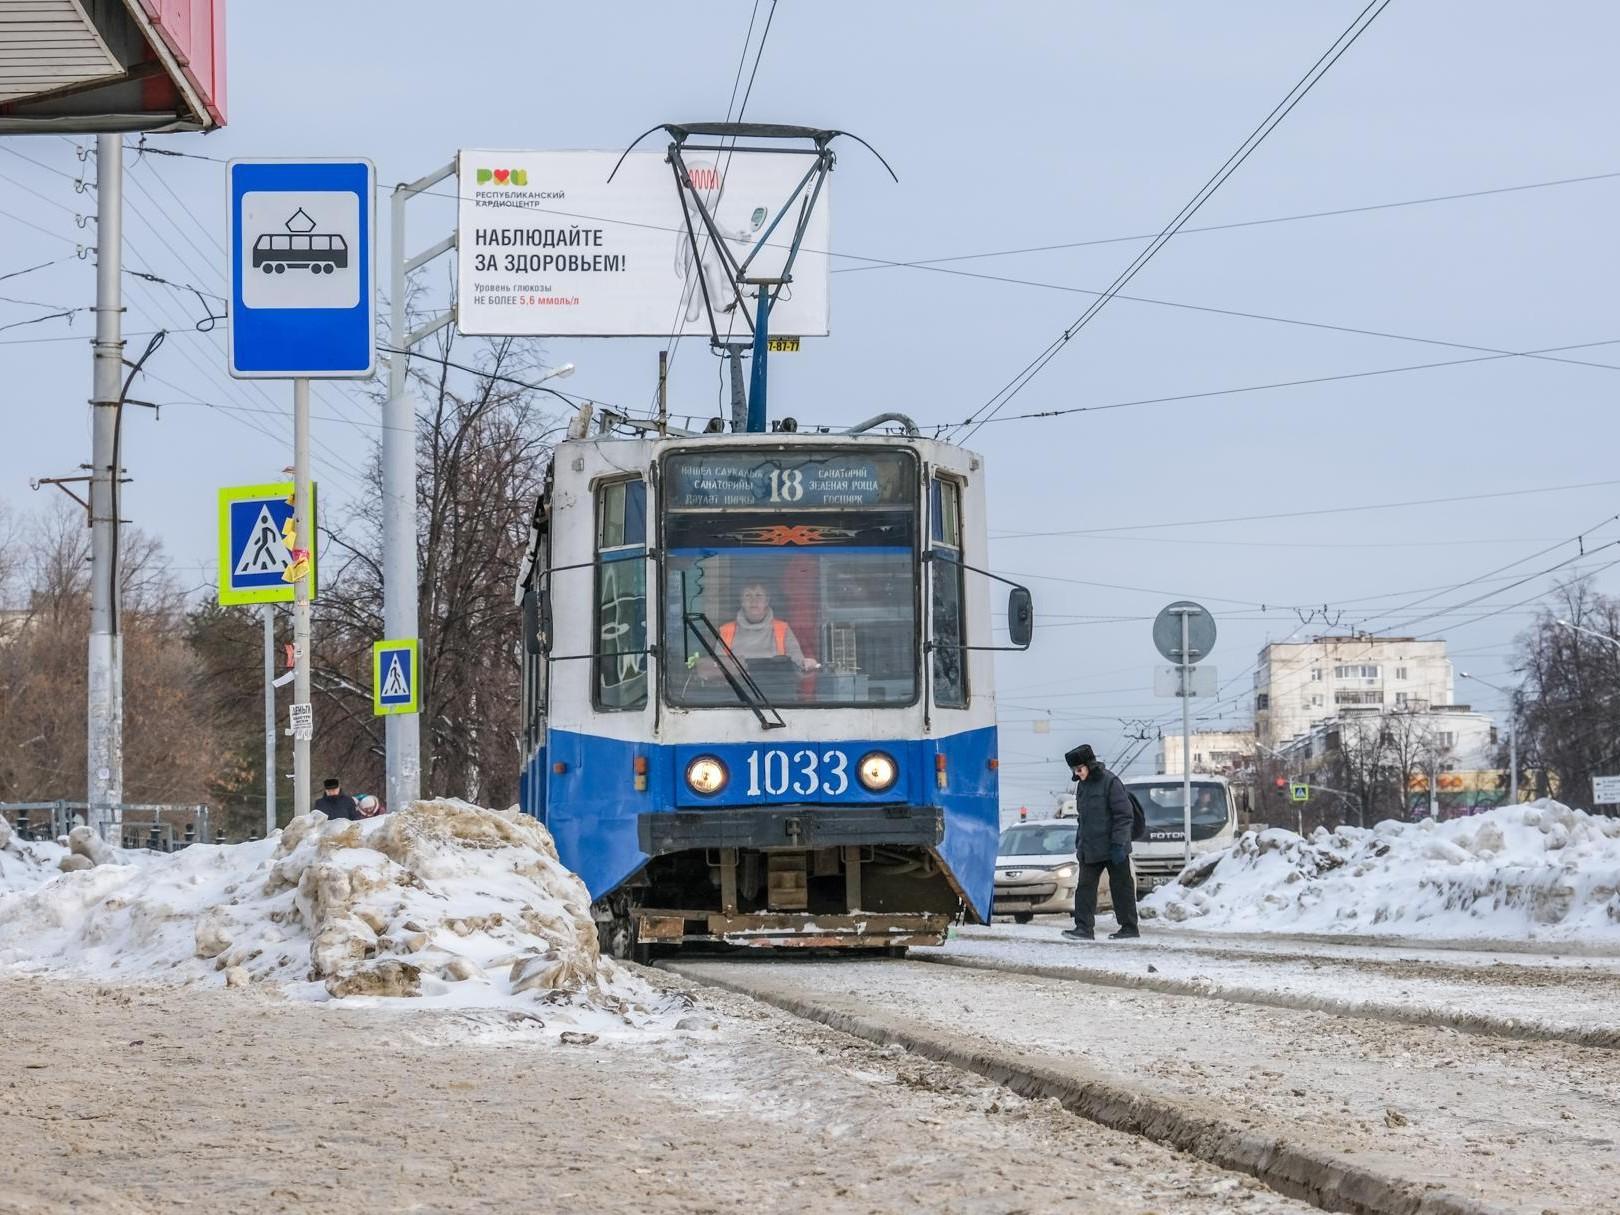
pixel 805 773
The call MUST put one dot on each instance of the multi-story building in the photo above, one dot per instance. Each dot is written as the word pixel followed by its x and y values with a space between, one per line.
pixel 1217 752
pixel 1300 683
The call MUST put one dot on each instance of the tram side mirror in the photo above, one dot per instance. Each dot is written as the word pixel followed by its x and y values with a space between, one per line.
pixel 1020 617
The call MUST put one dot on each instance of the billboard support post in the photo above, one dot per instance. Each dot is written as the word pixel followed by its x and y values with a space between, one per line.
pixel 400 590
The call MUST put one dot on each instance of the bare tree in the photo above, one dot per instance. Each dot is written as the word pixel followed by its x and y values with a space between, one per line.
pixel 1568 711
pixel 170 746
pixel 483 443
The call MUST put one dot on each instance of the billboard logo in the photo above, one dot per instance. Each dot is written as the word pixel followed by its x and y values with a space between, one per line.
pixel 503 177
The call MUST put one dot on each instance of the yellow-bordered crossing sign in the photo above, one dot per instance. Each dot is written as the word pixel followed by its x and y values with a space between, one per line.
pixel 257 558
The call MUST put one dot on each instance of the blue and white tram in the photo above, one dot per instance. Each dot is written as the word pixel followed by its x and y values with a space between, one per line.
pixel 757 689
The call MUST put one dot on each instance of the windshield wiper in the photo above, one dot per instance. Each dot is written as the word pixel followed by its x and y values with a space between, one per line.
pixel 747 689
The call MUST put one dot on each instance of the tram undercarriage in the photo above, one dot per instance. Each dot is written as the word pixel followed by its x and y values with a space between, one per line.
pixel 804 877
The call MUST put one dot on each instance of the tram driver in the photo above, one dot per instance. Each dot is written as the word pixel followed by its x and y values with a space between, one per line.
pixel 757 633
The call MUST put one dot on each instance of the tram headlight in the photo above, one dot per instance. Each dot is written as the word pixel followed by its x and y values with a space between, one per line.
pixel 876 771
pixel 706 775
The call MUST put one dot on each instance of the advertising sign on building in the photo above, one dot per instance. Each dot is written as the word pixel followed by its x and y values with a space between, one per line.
pixel 548 247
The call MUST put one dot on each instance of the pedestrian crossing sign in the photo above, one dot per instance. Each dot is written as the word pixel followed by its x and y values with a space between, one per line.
pixel 1299 792
pixel 258 560
pixel 394 674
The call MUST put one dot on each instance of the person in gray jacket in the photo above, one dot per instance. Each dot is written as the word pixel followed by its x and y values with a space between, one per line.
pixel 1102 841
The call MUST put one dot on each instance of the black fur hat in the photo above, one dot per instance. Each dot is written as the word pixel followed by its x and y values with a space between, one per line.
pixel 1083 754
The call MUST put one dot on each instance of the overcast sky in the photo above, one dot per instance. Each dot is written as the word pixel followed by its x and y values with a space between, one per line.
pixel 1011 126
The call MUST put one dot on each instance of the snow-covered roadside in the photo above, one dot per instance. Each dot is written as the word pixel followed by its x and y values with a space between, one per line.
pixel 445 904
pixel 1515 998
pixel 1535 872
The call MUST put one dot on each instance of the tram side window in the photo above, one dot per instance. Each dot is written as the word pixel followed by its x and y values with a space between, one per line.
pixel 621 595
pixel 950 629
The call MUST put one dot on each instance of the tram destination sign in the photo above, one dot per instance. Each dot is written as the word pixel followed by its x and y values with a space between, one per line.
pixel 807 479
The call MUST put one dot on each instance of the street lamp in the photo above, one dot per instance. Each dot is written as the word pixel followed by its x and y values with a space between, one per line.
pixel 1513 735
pixel 1589 632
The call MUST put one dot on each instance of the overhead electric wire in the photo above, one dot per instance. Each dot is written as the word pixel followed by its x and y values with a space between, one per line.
pixel 1295 95
pixel 933 262
pixel 1182 397
pixel 705 240
pixel 1327 510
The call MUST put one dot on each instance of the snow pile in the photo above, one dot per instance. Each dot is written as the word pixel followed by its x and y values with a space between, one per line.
pixel 23 865
pixel 448 902
pixel 1534 871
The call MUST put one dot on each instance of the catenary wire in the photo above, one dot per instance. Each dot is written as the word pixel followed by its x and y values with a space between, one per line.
pixel 1306 83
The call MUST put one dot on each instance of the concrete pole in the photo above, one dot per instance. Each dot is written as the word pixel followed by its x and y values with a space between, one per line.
pixel 269 718
pixel 105 708
pixel 402 730
pixel 1513 759
pixel 305 540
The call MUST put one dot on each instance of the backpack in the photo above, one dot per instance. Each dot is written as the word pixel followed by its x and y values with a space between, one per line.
pixel 1138 818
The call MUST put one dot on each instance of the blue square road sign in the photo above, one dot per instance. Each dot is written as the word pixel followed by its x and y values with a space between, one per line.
pixel 395 673
pixel 303 274
pixel 254 553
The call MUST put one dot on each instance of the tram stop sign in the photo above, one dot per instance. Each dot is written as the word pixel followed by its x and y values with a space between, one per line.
pixel 1200 631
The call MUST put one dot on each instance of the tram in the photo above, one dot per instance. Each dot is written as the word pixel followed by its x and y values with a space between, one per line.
pixel 757 685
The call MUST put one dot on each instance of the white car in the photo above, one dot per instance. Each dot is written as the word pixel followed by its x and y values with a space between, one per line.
pixel 1036 871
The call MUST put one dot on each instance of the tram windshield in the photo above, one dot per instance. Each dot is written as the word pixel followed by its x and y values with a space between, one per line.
pixel 796 568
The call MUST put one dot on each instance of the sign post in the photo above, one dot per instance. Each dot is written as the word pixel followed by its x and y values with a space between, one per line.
pixel 1605 790
pixel 1184 632
pixel 303 305
pixel 269 610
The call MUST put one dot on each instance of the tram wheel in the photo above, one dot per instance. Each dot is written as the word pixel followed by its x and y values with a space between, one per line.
pixel 619 938
pixel 281 268
pixel 1023 917
pixel 268 268
pixel 896 951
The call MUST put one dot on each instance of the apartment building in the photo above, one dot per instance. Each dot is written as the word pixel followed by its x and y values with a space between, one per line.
pixel 1298 684
pixel 1216 752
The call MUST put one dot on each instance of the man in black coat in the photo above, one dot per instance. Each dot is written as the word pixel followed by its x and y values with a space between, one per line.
pixel 336 803
pixel 1103 841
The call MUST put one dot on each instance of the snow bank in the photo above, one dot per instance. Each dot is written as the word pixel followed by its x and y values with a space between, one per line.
pixel 1539 871
pixel 446 902
pixel 23 865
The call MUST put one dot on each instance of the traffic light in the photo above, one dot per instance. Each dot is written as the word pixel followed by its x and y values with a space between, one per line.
pixel 1282 782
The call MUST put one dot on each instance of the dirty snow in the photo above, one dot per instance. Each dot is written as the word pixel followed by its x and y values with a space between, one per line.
pixel 1540 871
pixel 1517 995
pixel 446 904
pixel 1522 1127
pixel 25 865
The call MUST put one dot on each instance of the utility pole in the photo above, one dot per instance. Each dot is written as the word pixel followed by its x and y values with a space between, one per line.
pixel 105 751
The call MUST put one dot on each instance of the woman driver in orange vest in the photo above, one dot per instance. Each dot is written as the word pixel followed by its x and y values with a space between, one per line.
pixel 757 633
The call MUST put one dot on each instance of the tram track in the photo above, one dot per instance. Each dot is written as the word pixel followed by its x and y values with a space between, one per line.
pixel 1317 1106
pixel 1465 1020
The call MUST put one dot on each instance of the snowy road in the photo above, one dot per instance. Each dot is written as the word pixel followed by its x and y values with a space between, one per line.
pixel 1507 992
pixel 1517 1125
pixel 144 1099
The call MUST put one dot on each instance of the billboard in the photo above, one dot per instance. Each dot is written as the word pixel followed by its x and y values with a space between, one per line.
pixel 547 247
